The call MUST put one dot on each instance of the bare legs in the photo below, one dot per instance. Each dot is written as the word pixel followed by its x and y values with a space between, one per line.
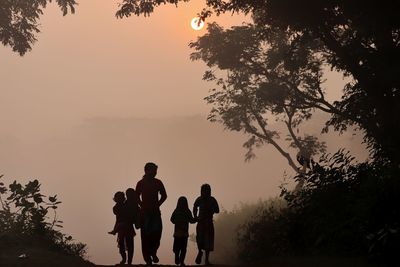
pixel 207 262
pixel 200 256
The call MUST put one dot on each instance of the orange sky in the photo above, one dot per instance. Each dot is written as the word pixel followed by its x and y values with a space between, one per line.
pixel 98 97
pixel 92 64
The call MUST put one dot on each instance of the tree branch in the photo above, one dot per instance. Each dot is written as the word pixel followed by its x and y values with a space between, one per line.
pixel 269 139
pixel 290 129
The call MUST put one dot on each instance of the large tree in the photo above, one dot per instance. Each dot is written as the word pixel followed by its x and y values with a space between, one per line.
pixel 19 21
pixel 259 88
pixel 359 38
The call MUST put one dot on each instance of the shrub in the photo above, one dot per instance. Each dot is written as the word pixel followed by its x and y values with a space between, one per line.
pixel 344 209
pixel 263 235
pixel 29 217
pixel 229 225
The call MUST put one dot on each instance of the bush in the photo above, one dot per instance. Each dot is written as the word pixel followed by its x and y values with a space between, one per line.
pixel 27 217
pixel 263 235
pixel 229 224
pixel 344 209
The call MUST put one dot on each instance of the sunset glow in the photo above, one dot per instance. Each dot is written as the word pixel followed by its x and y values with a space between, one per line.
pixel 196 24
pixel 99 93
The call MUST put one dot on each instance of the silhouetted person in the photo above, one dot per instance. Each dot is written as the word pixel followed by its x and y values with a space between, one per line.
pixel 151 195
pixel 204 208
pixel 132 205
pixel 181 217
pixel 123 227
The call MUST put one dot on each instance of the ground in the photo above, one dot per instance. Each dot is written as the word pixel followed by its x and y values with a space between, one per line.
pixel 45 258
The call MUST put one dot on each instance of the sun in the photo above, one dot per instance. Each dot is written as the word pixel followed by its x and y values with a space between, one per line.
pixel 197 24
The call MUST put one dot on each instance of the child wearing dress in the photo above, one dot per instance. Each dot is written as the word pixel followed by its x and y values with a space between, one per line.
pixel 181 217
pixel 204 208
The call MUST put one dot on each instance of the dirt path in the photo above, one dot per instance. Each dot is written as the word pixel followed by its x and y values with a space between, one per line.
pixel 188 265
pixel 289 262
pixel 284 262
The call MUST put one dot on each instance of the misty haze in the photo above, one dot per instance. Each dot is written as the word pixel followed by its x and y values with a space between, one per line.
pixel 298 144
pixel 100 156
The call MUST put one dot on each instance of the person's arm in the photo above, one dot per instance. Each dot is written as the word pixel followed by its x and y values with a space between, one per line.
pixel 163 194
pixel 216 207
pixel 137 201
pixel 139 193
pixel 191 219
pixel 195 208
pixel 173 217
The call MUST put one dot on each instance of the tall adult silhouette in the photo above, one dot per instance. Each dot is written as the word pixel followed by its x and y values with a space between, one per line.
pixel 151 193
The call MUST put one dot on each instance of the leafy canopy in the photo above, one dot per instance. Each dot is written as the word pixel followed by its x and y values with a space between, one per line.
pixel 359 38
pixel 260 86
pixel 19 21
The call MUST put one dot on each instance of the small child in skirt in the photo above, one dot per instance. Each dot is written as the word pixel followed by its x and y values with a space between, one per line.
pixel 204 208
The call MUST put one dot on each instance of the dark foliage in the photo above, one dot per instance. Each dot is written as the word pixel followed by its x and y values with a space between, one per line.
pixel 359 38
pixel 19 21
pixel 27 217
pixel 263 236
pixel 344 208
pixel 262 82
pixel 229 223
pixel 139 7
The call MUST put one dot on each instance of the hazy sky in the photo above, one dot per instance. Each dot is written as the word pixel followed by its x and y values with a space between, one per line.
pixel 98 97
pixel 92 64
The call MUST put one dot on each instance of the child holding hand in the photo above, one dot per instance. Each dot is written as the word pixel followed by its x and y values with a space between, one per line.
pixel 204 209
pixel 181 217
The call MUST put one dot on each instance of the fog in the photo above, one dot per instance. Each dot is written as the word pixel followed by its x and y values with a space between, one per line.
pixel 100 156
pixel 98 97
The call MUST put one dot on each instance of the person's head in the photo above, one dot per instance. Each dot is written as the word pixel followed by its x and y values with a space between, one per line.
pixel 119 197
pixel 205 190
pixel 182 204
pixel 130 194
pixel 150 169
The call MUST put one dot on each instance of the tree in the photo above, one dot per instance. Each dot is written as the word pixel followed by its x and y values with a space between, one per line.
pixel 259 87
pixel 344 207
pixel 19 21
pixel 360 39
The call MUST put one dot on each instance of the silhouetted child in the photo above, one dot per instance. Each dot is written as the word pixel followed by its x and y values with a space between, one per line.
pixel 181 217
pixel 123 227
pixel 206 206
pixel 132 204
pixel 132 209
pixel 119 199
